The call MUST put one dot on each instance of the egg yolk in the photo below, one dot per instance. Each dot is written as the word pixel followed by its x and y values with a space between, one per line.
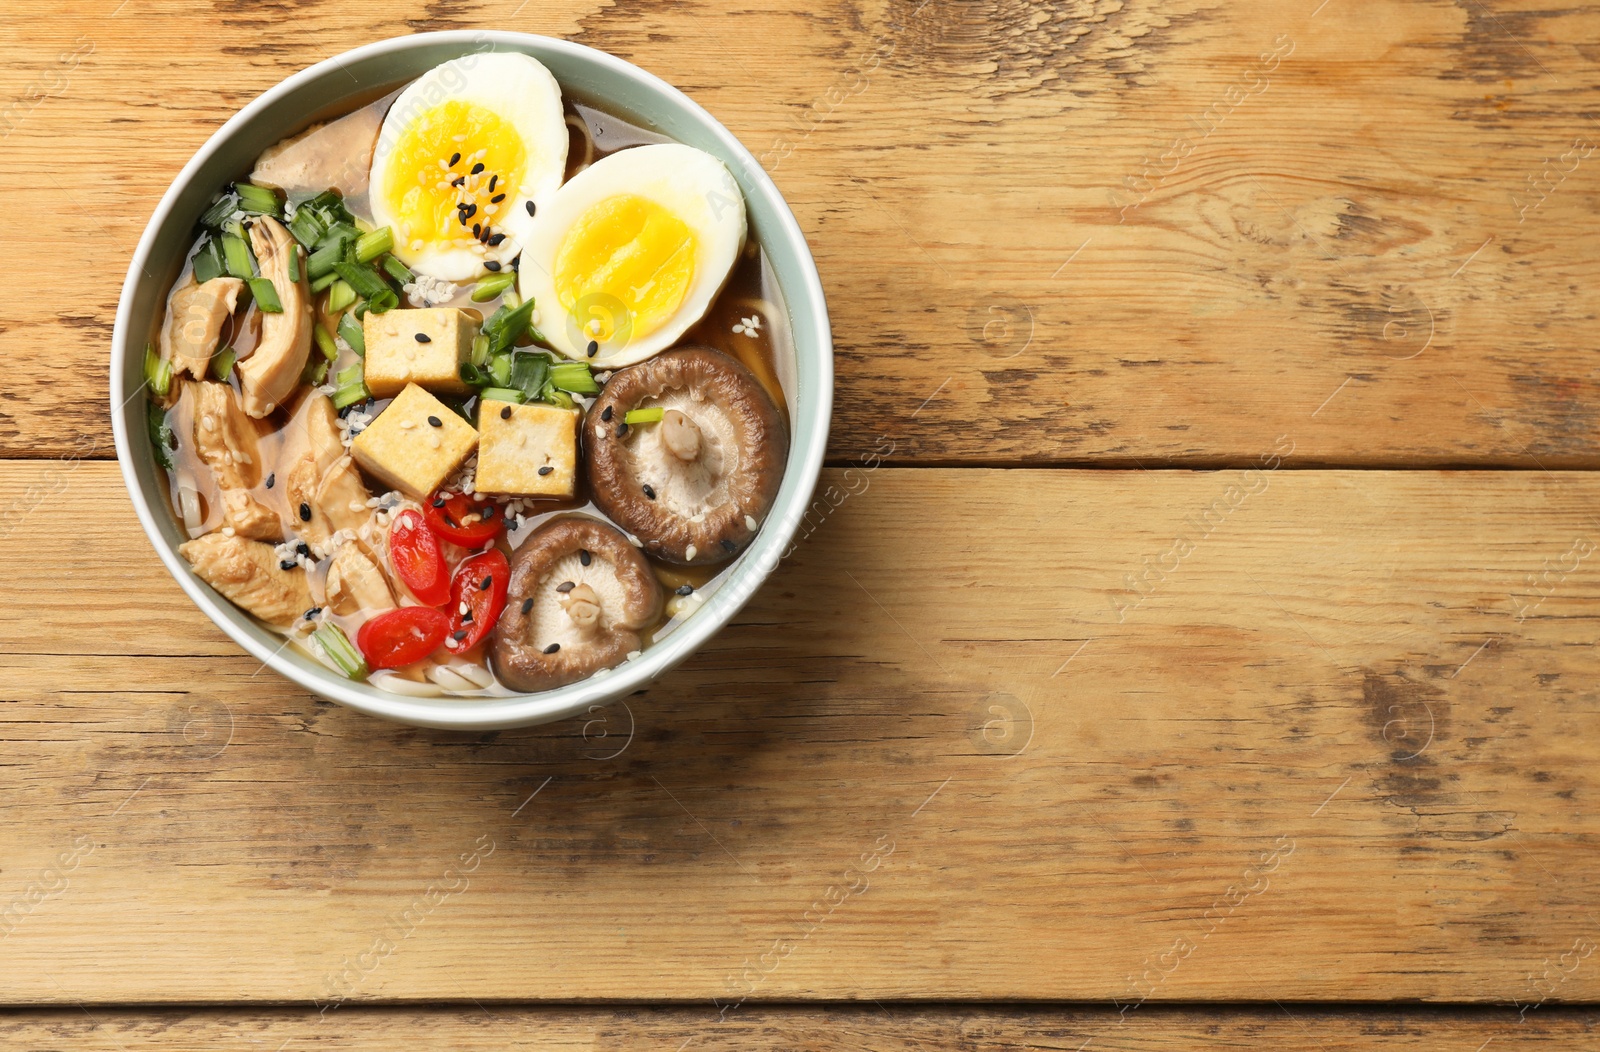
pixel 632 249
pixel 449 165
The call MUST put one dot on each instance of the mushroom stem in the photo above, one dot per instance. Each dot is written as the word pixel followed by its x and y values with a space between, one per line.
pixel 582 605
pixel 680 435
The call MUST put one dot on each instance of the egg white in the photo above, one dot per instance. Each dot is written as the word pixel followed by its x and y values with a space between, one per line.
pixel 691 184
pixel 519 90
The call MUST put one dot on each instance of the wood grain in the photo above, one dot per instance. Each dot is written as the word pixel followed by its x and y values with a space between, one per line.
pixel 499 1028
pixel 1339 750
pixel 1128 234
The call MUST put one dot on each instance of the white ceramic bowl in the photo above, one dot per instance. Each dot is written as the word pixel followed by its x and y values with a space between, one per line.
pixel 338 84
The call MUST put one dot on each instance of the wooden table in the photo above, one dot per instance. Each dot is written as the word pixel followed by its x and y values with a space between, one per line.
pixel 1193 645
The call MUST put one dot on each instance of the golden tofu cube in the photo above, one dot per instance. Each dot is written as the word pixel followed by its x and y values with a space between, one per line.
pixel 415 443
pixel 516 443
pixel 396 357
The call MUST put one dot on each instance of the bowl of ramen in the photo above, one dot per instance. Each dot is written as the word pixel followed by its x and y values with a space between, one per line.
pixel 471 380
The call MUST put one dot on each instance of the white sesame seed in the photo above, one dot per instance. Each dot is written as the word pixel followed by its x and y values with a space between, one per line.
pixel 750 523
pixel 691 552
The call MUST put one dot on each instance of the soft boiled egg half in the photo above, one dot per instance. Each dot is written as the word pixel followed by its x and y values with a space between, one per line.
pixel 631 251
pixel 463 150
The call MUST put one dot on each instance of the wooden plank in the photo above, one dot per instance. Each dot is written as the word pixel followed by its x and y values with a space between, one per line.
pixel 500 1028
pixel 1338 751
pixel 1152 232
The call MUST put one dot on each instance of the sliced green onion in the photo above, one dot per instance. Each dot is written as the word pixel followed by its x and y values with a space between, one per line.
pixel 266 296
pixel 236 257
pixel 220 212
pixel 560 398
pixel 258 200
pixel 362 225
pixel 643 416
pixel 316 370
pixel 222 363
pixel 473 376
pixel 324 282
pixel 307 227
pixel 480 349
pixel 533 330
pixel 370 246
pixel 322 260
pixel 348 375
pixel 325 344
pixel 511 298
pixel 386 300
pixel 350 329
pixel 340 296
pixel 208 262
pixel 161 436
pixel 506 325
pixel 334 643
pixel 351 394
pixel 529 372
pixel 157 371
pixel 398 270
pixel 502 394
pixel 492 286
pixel 362 278
pixel 331 205
pixel 294 264
pixel 574 377
pixel 500 369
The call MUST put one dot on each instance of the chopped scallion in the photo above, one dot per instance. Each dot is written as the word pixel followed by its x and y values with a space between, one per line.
pixel 219 212
pixel 510 297
pixel 325 344
pixel 208 262
pixel 340 296
pixel 480 349
pixel 333 642
pixel 350 329
pixel 351 394
pixel 643 416
pixel 307 226
pixel 266 296
pixel 157 371
pixel 492 286
pixel 222 363
pixel 574 377
pixel 398 270
pixel 324 282
pixel 327 254
pixel 500 369
pixel 383 301
pixel 316 370
pixel 370 246
pixel 161 436
pixel 507 325
pixel 236 257
pixel 294 264
pixel 362 278
pixel 560 398
pixel 258 200
pixel 348 375
pixel 502 394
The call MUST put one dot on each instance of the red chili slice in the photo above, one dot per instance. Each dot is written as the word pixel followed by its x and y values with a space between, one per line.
pixel 417 559
pixel 470 523
pixel 480 584
pixel 400 637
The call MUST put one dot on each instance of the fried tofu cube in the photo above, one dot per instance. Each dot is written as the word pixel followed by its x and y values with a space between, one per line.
pixel 396 355
pixel 415 443
pixel 517 443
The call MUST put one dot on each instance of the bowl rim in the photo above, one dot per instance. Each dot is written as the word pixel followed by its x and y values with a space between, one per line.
pixel 747 573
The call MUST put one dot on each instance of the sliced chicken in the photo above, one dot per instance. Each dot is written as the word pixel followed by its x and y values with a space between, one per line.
pixel 342 497
pixel 336 156
pixel 273 369
pixel 226 440
pixel 311 450
pixel 195 316
pixel 247 574
pixel 356 583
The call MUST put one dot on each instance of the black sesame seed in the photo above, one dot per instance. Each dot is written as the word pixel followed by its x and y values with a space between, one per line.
pixel 686 589
pixel 516 261
pixel 313 612
pixel 497 198
pixel 594 348
pixel 605 414
pixel 546 470
pixel 459 635
pixel 458 180
pixel 466 618
pixel 622 429
pixel 492 180
pixel 305 512
pixel 434 421
pixel 496 239
pixel 423 337
pixel 271 479
pixel 477 168
pixel 477 229
pixel 649 492
pixel 566 586
pixel 729 545
pixel 552 648
pixel 486 583
pixel 527 604
pixel 455 159
pixel 488 513
pixel 462 216
pixel 302 548
pixel 530 208
pixel 492 265
pixel 505 412
pixel 438 502
pixel 583 556
pixel 286 564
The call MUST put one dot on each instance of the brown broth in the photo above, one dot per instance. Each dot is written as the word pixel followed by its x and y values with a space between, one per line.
pixel 751 290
